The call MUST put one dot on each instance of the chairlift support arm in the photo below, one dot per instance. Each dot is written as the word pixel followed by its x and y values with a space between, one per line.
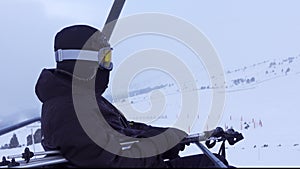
pixel 113 18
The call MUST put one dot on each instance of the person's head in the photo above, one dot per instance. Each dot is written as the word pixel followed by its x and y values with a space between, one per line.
pixel 85 52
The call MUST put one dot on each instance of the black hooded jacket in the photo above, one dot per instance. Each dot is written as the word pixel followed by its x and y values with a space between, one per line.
pixel 62 130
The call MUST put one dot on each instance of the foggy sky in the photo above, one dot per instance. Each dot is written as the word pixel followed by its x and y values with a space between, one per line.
pixel 243 32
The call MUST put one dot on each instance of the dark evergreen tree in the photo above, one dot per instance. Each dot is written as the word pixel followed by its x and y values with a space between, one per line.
pixel 14 142
pixel 38 136
pixel 29 140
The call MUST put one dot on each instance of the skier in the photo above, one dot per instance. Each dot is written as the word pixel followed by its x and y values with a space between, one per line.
pixel 61 127
pixel 4 161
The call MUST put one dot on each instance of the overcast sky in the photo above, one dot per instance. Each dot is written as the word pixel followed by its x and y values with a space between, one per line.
pixel 243 32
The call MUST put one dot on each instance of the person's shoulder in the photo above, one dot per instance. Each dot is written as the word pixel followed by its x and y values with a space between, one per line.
pixel 102 99
pixel 47 70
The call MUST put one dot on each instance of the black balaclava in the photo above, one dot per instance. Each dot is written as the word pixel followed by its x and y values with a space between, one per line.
pixel 99 75
pixel 83 37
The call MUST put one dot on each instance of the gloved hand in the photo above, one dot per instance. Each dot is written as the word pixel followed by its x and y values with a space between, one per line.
pixel 173 152
pixel 218 132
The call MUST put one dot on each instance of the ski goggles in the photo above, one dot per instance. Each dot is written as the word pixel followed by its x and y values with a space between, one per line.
pixel 103 56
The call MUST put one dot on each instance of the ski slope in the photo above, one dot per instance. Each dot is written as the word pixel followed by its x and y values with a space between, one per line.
pixel 263 108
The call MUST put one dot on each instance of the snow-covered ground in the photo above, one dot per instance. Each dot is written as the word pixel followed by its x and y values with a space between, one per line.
pixel 264 109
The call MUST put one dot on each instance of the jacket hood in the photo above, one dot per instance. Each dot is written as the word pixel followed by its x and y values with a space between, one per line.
pixel 52 84
pixel 56 83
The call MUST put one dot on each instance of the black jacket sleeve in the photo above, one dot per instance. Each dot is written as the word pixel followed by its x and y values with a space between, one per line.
pixel 151 140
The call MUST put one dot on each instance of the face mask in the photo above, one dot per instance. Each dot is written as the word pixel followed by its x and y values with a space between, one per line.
pixel 101 81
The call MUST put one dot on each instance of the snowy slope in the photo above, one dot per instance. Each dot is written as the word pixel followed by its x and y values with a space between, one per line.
pixel 275 104
pixel 262 96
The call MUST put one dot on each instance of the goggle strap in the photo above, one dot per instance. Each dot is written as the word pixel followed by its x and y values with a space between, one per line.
pixel 72 54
